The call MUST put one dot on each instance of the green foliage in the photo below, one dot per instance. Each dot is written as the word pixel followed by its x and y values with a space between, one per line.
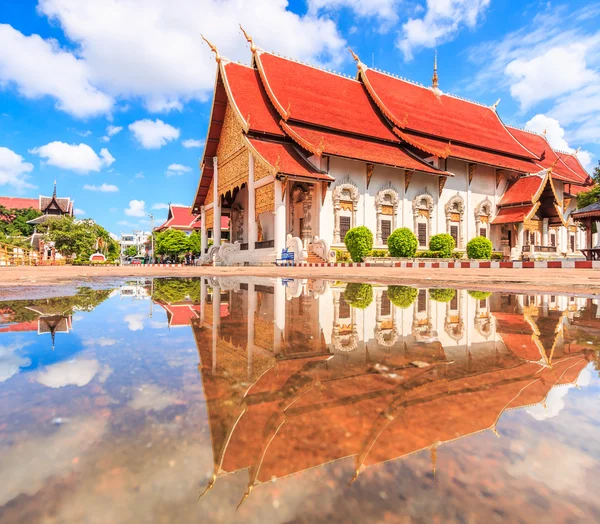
pixel 379 253
pixel 342 256
pixel 431 254
pixel 402 243
pixel 14 222
pixel 171 242
pixel 479 248
pixel 172 290
pixel 497 255
pixel 402 296
pixel 443 243
pixel 479 295
pixel 359 242
pixel 442 295
pixel 195 242
pixel 586 198
pixel 131 251
pixel 359 295
pixel 457 255
pixel 596 174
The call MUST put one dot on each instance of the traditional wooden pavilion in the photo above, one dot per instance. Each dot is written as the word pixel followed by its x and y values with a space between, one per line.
pixel 587 216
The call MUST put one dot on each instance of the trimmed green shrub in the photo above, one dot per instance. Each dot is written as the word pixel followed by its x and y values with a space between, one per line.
pixel 431 254
pixel 342 256
pixel 402 296
pixel 402 243
pixel 359 295
pixel 479 295
pixel 444 243
pixel 379 253
pixel 359 242
pixel 442 295
pixel 479 248
pixel 497 255
pixel 457 255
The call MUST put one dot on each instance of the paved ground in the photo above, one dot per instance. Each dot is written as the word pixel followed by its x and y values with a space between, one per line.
pixel 582 281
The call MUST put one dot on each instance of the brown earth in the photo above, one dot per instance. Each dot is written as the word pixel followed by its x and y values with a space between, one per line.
pixel 21 280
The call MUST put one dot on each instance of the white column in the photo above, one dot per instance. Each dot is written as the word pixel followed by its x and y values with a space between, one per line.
pixel 251 295
pixel 279 326
pixel 252 229
pixel 216 307
pixel 202 300
pixel 217 205
pixel 545 225
pixel 317 205
pixel 203 234
pixel 280 211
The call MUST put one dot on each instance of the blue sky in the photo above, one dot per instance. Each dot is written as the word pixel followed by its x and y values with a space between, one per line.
pixel 112 98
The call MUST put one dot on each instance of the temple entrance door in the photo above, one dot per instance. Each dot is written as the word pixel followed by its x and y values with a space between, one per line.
pixel 510 238
pixel 299 224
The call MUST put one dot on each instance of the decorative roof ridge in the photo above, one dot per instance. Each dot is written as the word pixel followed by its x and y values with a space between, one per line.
pixel 313 66
pixel 571 153
pixel 517 128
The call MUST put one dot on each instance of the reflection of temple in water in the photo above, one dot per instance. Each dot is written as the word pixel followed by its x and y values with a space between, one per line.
pixel 296 377
pixel 50 321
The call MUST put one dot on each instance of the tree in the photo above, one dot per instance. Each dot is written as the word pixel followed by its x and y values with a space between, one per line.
pixel 596 174
pixel 592 196
pixel 359 242
pixel 13 222
pixel 131 251
pixel 172 243
pixel 195 242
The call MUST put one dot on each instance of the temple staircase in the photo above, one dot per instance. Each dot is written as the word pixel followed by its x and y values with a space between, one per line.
pixel 313 258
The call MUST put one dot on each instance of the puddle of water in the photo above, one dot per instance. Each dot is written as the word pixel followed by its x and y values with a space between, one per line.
pixel 298 400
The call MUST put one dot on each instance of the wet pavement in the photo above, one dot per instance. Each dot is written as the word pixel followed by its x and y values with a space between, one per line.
pixel 278 400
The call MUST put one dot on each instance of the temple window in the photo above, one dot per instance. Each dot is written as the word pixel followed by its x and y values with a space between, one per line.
pixel 422 214
pixel 572 242
pixel 345 203
pixel 386 204
pixel 455 210
pixel 553 238
pixel 483 213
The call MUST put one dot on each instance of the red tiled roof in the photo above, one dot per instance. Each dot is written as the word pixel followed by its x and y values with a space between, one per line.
pixel 319 98
pixel 182 218
pixel 508 215
pixel 286 159
pixel 20 203
pixel 181 314
pixel 244 87
pixel 417 108
pixel 21 326
pixel 548 157
pixel 357 148
pixel 573 163
pixel 470 154
pixel 522 191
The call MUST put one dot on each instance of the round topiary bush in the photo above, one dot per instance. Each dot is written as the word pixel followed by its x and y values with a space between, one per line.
pixel 442 295
pixel 359 295
pixel 402 243
pixel 479 248
pixel 402 296
pixel 359 242
pixel 479 295
pixel 443 243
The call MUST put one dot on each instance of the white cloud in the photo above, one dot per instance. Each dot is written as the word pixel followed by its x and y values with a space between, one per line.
pixel 13 170
pixel 191 142
pixel 160 206
pixel 41 68
pixel 102 341
pixel 80 158
pixel 384 10
pixel 79 212
pixel 71 373
pixel 135 321
pixel 104 188
pixel 166 63
pixel 153 134
pixel 555 135
pixel 111 131
pixel 139 175
pixel 150 397
pixel 177 170
pixel 10 362
pixel 137 208
pixel 442 22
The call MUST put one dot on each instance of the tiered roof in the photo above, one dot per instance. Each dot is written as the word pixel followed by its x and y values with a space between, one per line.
pixel 180 217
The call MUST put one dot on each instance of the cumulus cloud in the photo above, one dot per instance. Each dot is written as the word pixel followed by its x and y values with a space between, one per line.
pixel 111 131
pixel 10 361
pixel 177 170
pixel 442 21
pixel 150 397
pixel 72 373
pixel 139 175
pixel 555 135
pixel 80 158
pixel 135 321
pixel 13 170
pixel 160 206
pixel 40 68
pixel 166 63
pixel 137 208
pixel 104 188
pixel 153 134
pixel 191 142
pixel 384 10
pixel 79 212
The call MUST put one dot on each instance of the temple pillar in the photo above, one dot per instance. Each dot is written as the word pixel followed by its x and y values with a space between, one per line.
pixel 203 233
pixel 202 300
pixel 545 228
pixel 280 212
pixel 250 340
pixel 217 205
pixel 252 229
pixel 318 204
pixel 216 308
pixel 279 324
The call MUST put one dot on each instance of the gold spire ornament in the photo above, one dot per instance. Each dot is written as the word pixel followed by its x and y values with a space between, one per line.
pixel 495 106
pixel 213 48
pixel 354 55
pixel 249 39
pixel 435 81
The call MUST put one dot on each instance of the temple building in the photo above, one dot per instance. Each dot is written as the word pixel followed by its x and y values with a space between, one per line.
pixel 181 218
pixel 296 156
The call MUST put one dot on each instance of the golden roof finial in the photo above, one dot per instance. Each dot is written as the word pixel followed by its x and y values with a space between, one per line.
pixel 213 48
pixel 355 56
pixel 577 151
pixel 246 495
pixel 545 131
pixel 249 38
pixel 495 106
pixel 433 459
pixel 435 82
pixel 209 486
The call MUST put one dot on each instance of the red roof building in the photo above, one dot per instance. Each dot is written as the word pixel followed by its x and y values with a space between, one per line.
pixel 181 218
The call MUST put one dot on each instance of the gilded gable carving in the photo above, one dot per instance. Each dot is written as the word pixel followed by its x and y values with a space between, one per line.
pixel 260 170
pixel 230 141
pixel 265 199
pixel 210 218
pixel 234 172
pixel 210 195
pixel 232 154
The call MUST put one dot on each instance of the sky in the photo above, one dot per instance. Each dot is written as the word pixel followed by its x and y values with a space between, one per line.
pixel 111 98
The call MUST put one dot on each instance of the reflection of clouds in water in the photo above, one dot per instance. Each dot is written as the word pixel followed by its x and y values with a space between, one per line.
pixel 10 362
pixel 135 321
pixel 555 401
pixel 71 373
pixel 149 397
pixel 32 460
pixel 155 324
pixel 102 342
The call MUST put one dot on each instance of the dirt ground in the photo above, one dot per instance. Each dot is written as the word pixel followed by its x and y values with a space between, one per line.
pixel 25 280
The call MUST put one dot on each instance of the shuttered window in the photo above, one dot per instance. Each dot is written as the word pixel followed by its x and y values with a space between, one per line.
pixel 572 242
pixel 483 232
pixel 422 301
pixel 553 239
pixel 386 306
pixel 422 234
pixel 454 234
pixel 454 303
pixel 344 226
pixel 344 309
pixel 386 230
